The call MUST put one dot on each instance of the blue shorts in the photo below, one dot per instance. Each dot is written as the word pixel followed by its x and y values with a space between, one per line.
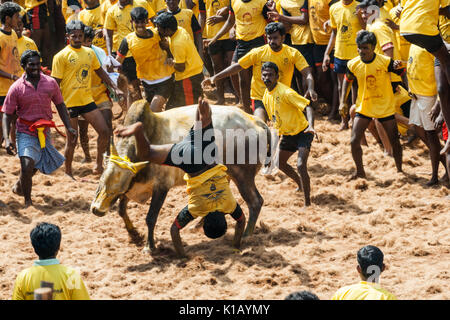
pixel 340 66
pixel 45 160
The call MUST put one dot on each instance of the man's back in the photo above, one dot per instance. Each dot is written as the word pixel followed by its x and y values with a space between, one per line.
pixel 363 291
pixel 67 283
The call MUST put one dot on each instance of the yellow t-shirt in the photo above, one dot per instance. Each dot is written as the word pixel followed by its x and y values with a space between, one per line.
pixel 119 20
pixel 94 19
pixel 150 58
pixel 105 5
pixel 184 19
pixel 375 96
pixel 195 9
pixel 157 5
pixel 30 4
pixel 184 51
pixel 444 28
pixel 75 67
pixel 421 16
pixel 99 89
pixel 285 108
pixel 299 34
pixel 318 14
pixel 363 291
pixel 285 59
pixel 400 97
pixel 343 18
pixel 209 192
pixel 67 282
pixel 25 43
pixel 420 69
pixel 250 22
pixel 211 7
pixel 9 59
pixel 385 35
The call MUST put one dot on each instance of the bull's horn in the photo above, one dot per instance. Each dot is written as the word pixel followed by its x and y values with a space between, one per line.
pixel 140 165
pixel 112 149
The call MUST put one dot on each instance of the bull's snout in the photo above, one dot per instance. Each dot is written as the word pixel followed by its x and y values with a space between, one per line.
pixel 97 212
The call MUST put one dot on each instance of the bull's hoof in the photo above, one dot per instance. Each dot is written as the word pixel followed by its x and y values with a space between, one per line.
pixel 136 237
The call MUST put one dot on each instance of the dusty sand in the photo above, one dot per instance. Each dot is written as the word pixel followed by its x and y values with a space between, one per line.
pixel 292 248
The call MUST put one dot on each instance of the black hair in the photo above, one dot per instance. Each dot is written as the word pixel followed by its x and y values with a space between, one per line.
pixel 28 54
pixel 215 225
pixel 269 65
pixel 89 33
pixel 368 3
pixel 74 25
pixel 139 14
pixel 301 295
pixel 274 27
pixel 364 37
pixel 45 238
pixel 369 256
pixel 166 20
pixel 8 9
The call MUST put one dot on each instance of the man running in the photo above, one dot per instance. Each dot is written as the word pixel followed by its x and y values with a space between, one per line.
pixel 30 98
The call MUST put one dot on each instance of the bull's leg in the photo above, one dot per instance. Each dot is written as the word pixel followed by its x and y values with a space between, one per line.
pixel 158 197
pixel 123 201
pixel 244 177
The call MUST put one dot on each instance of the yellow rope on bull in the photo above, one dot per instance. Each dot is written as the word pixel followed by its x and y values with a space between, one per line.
pixel 124 162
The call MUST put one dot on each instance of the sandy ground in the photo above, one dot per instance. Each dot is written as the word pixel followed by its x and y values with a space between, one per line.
pixel 292 248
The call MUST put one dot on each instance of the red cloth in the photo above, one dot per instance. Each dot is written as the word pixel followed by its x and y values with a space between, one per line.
pixel 445 132
pixel 32 104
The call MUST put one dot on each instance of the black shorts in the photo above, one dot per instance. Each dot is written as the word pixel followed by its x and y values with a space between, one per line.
pixel 163 89
pixel 406 108
pixel 244 47
pixel 359 115
pixel 186 92
pixel 222 46
pixel 307 50
pixel 319 54
pixel 257 104
pixel 293 143
pixel 37 17
pixel 430 43
pixel 129 68
pixel 74 112
pixel 184 217
pixel 2 101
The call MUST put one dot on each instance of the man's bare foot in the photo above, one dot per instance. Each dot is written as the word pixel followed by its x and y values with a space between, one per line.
pixel 344 126
pixel 433 181
pixel 86 160
pixel 357 175
pixel 98 170
pixel 28 203
pixel 17 188
pixel 70 175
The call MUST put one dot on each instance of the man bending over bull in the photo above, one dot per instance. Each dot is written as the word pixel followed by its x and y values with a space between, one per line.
pixel 207 182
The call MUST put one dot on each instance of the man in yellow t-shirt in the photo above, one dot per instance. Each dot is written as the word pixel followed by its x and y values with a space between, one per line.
pixel 375 97
pixel 249 16
pixel 345 23
pixel 66 281
pixel 208 186
pixel 370 266
pixel 275 51
pixel 285 109
pixel 423 88
pixel 152 69
pixel 118 25
pixel 23 42
pixel 72 69
pixel 92 17
pixel 186 61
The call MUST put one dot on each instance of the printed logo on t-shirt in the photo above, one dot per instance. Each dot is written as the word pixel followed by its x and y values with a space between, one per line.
pixel 83 73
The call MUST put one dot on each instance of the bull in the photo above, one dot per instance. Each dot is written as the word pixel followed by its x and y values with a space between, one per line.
pixel 130 179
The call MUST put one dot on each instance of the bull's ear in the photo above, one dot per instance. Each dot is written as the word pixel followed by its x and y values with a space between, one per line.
pixel 140 165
